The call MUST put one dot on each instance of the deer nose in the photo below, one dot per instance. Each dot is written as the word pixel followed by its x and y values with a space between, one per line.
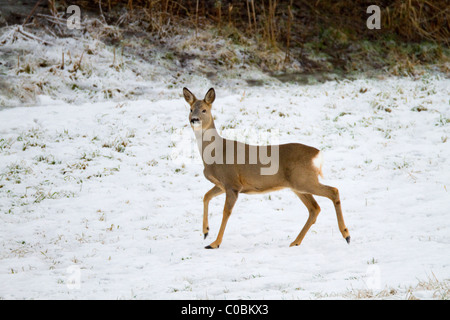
pixel 194 120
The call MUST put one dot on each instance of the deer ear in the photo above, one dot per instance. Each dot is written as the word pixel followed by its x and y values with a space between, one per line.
pixel 188 96
pixel 210 96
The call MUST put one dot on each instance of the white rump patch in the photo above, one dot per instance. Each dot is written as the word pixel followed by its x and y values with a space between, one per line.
pixel 318 161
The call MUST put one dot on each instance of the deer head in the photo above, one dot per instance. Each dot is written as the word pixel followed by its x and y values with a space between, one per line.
pixel 200 116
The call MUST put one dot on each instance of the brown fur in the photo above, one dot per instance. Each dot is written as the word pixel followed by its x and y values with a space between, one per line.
pixel 298 170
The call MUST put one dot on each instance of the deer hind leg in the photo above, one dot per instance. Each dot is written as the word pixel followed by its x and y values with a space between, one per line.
pixel 214 192
pixel 333 194
pixel 313 208
pixel 230 200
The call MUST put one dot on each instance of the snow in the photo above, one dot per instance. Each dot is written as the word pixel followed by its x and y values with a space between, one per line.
pixel 95 203
pixel 82 68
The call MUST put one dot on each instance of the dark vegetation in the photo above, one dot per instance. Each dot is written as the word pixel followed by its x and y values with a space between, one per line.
pixel 323 36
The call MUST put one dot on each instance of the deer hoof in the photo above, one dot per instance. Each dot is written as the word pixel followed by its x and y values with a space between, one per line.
pixel 348 239
pixel 209 247
pixel 205 235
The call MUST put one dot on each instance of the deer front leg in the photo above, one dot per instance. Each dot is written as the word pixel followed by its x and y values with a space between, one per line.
pixel 215 191
pixel 231 197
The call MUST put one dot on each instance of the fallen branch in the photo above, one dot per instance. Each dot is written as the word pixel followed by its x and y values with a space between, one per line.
pixel 7 36
pixel 55 20
pixel 31 36
pixel 18 30
pixel 31 13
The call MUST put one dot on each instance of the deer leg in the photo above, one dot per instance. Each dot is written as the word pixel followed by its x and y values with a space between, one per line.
pixel 313 208
pixel 333 194
pixel 215 191
pixel 230 200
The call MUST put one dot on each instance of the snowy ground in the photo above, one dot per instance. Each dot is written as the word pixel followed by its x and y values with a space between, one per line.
pixel 94 203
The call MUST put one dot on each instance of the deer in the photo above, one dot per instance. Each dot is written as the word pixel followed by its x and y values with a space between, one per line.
pixel 298 168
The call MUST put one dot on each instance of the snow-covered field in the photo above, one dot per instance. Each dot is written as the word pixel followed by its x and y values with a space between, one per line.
pixel 95 204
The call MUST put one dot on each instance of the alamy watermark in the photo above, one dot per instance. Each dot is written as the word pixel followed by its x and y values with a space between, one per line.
pixel 73 280
pixel 74 21
pixel 373 277
pixel 246 146
pixel 374 21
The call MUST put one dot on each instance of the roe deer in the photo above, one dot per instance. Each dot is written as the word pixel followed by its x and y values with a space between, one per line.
pixel 298 168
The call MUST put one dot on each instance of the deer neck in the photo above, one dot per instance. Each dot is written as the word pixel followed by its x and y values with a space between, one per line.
pixel 208 138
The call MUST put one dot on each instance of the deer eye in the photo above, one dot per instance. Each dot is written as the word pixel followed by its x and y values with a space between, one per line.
pixel 204 111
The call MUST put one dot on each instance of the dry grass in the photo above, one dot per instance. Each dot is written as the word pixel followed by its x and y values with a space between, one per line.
pixel 432 288
pixel 270 20
pixel 419 19
pixel 297 30
pixel 217 39
pixel 440 288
